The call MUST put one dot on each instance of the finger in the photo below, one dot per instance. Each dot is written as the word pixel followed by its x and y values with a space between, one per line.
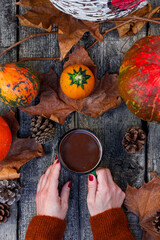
pixel 52 180
pixel 92 188
pixel 39 183
pixel 56 161
pixel 48 171
pixel 45 177
pixel 109 177
pixel 65 194
pixel 102 178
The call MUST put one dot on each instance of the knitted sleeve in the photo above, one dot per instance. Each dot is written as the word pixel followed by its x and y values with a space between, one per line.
pixel 45 228
pixel 110 225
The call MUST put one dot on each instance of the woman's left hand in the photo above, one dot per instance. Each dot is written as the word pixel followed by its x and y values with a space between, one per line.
pixel 48 201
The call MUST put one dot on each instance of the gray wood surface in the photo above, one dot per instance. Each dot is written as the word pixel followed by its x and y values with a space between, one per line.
pixel 31 172
pixel 8 35
pixel 153 128
pixel 110 128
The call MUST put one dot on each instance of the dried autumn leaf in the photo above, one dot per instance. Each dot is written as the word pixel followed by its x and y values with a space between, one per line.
pixel 22 150
pixel 54 104
pixel 104 98
pixel 42 14
pixel 70 30
pixel 9 173
pixel 145 203
pixel 135 26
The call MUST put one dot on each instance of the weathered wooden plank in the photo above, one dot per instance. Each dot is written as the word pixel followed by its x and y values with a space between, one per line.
pixel 110 128
pixel 153 128
pixel 8 33
pixel 134 226
pixel 31 172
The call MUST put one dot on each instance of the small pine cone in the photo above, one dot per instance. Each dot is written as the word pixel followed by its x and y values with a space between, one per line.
pixel 5 212
pixel 156 222
pixel 134 140
pixel 42 129
pixel 10 191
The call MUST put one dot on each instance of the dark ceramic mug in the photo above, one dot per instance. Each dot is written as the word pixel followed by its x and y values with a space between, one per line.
pixel 67 151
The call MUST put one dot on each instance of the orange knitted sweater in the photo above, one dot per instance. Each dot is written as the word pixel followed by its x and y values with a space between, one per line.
pixel 109 225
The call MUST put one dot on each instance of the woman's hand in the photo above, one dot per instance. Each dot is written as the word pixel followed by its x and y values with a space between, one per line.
pixel 48 201
pixel 103 193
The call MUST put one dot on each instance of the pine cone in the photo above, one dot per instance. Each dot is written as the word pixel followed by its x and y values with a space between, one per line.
pixel 42 129
pixel 5 212
pixel 156 222
pixel 10 191
pixel 134 140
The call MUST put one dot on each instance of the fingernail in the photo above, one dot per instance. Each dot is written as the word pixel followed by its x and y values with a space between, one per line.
pixel 90 177
pixel 56 159
pixel 69 184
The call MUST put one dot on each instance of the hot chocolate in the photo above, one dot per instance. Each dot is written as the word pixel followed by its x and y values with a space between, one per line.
pixel 80 151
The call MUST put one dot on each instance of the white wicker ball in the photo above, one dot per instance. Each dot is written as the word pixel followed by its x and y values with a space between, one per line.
pixel 98 10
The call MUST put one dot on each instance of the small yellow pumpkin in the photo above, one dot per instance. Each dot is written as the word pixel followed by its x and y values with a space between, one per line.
pixel 77 81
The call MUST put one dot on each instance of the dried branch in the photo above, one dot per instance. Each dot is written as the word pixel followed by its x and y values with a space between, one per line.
pixel 144 19
pixel 38 59
pixel 125 19
pixel 109 30
pixel 25 39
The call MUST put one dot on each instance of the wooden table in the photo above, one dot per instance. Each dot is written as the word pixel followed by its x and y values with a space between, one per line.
pixel 110 128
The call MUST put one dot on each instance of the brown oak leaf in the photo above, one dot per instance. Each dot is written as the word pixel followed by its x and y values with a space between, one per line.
pixel 54 104
pixel 135 26
pixel 70 30
pixel 22 150
pixel 145 203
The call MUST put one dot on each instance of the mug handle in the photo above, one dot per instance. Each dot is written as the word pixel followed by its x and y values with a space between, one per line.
pixel 94 173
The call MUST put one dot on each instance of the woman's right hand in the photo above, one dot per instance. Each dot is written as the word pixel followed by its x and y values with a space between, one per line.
pixel 103 193
pixel 48 200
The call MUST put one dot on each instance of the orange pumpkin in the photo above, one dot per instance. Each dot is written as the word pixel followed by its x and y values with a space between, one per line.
pixel 77 81
pixel 5 139
pixel 18 84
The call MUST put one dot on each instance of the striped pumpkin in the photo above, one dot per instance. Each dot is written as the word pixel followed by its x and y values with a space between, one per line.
pixel 18 84
pixel 139 79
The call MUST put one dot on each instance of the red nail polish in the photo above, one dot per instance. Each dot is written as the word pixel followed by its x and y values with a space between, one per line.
pixel 90 178
pixel 69 184
pixel 57 161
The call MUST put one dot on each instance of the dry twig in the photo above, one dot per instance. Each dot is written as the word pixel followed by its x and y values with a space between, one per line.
pixel 25 39
pixel 109 30
pixel 144 19
pixel 38 59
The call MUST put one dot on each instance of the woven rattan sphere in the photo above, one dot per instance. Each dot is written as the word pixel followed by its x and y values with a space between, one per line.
pixel 98 10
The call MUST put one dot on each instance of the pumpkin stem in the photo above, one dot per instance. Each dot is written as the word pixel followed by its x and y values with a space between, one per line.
pixel 79 78
pixel 1 67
